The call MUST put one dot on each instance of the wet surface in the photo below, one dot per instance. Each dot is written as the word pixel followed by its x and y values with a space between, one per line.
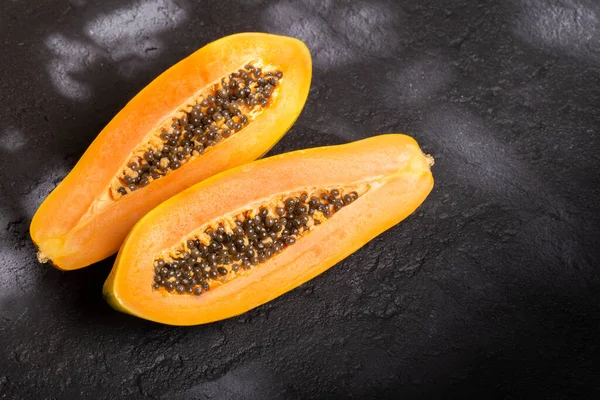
pixel 490 289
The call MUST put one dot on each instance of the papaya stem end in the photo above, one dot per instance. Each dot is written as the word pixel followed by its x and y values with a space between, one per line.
pixel 430 160
pixel 42 258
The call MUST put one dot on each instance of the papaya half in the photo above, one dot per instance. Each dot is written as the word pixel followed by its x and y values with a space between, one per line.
pixel 246 236
pixel 223 106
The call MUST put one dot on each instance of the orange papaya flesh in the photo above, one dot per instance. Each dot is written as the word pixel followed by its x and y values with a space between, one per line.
pixel 177 265
pixel 225 105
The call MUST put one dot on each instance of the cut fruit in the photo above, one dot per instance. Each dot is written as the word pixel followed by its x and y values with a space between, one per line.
pixel 225 105
pixel 248 235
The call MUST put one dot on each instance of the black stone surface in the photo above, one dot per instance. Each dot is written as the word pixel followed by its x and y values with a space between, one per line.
pixel 490 289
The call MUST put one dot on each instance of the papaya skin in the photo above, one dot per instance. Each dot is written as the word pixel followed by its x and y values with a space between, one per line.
pixel 78 224
pixel 393 165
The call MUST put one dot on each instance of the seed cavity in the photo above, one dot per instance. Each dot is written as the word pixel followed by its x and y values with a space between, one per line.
pixel 230 247
pixel 224 109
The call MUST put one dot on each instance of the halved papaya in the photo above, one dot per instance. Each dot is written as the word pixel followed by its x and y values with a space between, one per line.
pixel 225 105
pixel 247 235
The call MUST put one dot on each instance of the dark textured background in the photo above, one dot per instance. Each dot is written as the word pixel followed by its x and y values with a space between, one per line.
pixel 491 288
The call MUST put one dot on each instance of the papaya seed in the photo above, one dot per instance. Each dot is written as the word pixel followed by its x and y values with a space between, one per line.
pixel 221 252
pixel 213 110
